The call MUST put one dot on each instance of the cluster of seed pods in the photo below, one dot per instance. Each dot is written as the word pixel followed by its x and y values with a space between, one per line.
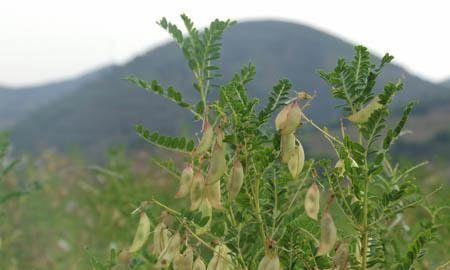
pixel 171 249
pixel 291 150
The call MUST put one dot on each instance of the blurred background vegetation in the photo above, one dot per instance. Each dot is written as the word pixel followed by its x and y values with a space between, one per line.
pixel 74 188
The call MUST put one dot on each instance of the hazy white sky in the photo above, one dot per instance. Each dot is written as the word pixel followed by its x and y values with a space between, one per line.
pixel 43 40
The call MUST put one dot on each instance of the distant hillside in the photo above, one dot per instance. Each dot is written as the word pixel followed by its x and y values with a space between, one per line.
pixel 103 111
pixel 446 83
pixel 17 103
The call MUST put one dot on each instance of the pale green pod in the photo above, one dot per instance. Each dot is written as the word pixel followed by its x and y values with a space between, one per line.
pixel 185 182
pixel 197 190
pixel 237 179
pixel 364 114
pixel 142 233
pixel 312 201
pixel 184 261
pixel 206 212
pixel 172 248
pixel 212 191
pixel 161 237
pixel 293 119
pixel 287 144
pixel 340 164
pixel 199 264
pixel 296 161
pixel 218 163
pixel 328 234
pixel 340 258
pixel 221 259
pixel 207 139
pixel 269 262
pixel 280 120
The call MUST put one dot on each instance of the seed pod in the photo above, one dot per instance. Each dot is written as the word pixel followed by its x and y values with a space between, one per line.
pixel 206 212
pixel 197 189
pixel 287 144
pixel 142 233
pixel 124 257
pixel 296 161
pixel 184 261
pixel 206 140
pixel 218 163
pixel 237 179
pixel 340 164
pixel 161 237
pixel 220 136
pixel 185 181
pixel 363 115
pixel 328 234
pixel 340 259
pixel 212 190
pixel 289 118
pixel 269 262
pixel 168 254
pixel 199 264
pixel 312 201
pixel 221 259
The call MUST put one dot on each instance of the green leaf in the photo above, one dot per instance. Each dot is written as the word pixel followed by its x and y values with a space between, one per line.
pixel 278 96
pixel 179 144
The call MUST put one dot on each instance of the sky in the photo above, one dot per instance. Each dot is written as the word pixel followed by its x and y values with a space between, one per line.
pixel 48 40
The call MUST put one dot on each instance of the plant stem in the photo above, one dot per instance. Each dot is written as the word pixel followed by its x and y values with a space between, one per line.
pixel 365 228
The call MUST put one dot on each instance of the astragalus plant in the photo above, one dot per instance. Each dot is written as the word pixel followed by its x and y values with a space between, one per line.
pixel 254 199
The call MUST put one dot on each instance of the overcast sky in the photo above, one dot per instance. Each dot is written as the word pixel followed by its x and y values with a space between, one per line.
pixel 46 40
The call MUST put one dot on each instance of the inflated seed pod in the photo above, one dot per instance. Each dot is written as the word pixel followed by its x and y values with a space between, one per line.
pixel 142 233
pixel 363 115
pixel 220 136
pixel 221 259
pixel 287 144
pixel 161 237
pixel 206 140
pixel 288 120
pixel 199 264
pixel 197 190
pixel 169 252
pixel 185 181
pixel 312 201
pixel 340 258
pixel 212 191
pixel 296 160
pixel 218 163
pixel 184 261
pixel 206 212
pixel 340 164
pixel 269 262
pixel 237 179
pixel 328 234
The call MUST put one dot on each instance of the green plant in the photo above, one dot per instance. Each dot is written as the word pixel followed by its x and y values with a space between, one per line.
pixel 250 205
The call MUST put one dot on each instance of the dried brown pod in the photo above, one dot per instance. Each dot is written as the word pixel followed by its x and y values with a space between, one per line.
pixel 237 179
pixel 328 234
pixel 185 181
pixel 312 201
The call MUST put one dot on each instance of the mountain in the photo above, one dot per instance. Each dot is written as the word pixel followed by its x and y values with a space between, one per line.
pixel 17 103
pixel 103 111
pixel 446 83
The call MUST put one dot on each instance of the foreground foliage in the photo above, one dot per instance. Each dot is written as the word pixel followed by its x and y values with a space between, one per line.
pixel 255 202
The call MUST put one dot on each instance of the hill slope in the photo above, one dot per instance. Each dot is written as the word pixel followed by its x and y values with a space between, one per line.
pixel 18 103
pixel 103 111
